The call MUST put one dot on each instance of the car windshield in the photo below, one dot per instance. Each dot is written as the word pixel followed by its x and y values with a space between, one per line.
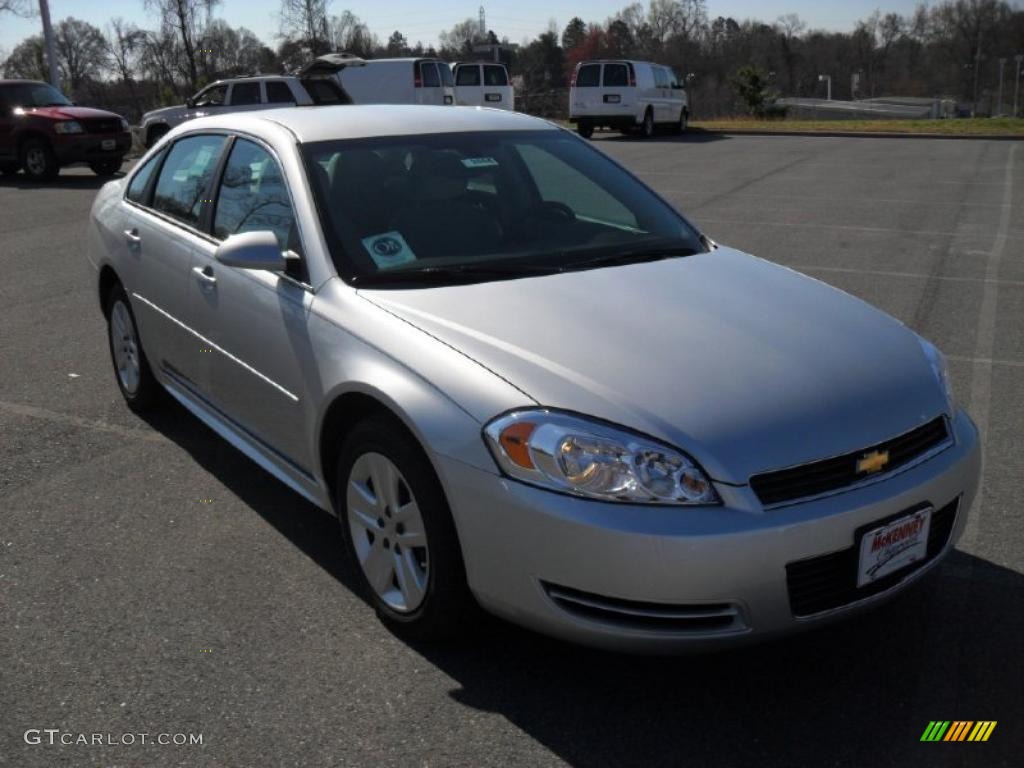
pixel 467 207
pixel 35 95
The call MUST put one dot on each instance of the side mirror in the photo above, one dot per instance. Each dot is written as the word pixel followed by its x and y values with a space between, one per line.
pixel 252 250
pixel 190 103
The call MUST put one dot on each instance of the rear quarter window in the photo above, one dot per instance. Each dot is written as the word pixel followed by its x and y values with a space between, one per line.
pixel 588 76
pixel 279 93
pixel 140 181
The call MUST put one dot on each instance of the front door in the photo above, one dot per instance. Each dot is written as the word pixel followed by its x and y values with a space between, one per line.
pixel 258 359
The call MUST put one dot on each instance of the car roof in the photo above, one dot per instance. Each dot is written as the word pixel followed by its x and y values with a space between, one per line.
pixel 353 121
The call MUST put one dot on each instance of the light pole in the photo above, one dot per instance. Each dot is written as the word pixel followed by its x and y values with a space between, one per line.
pixel 1002 63
pixel 827 79
pixel 51 59
pixel 1016 87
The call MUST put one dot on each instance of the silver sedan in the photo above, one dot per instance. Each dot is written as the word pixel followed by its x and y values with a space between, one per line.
pixel 522 381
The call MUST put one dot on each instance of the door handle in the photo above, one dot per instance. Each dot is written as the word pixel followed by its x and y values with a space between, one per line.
pixel 132 236
pixel 205 276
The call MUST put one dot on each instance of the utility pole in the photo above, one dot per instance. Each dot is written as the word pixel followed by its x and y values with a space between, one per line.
pixel 1002 63
pixel 51 58
pixel 977 69
pixel 1018 71
pixel 827 79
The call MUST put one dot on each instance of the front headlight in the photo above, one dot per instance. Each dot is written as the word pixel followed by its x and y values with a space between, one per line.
pixel 68 126
pixel 574 455
pixel 124 126
pixel 940 367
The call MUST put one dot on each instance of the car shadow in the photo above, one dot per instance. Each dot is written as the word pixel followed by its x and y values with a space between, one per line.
pixel 859 692
pixel 87 180
pixel 691 136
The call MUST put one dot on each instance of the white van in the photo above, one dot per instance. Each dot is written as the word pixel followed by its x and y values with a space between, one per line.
pixel 626 94
pixel 399 81
pixel 483 84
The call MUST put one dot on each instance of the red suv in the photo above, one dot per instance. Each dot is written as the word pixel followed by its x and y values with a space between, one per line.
pixel 40 130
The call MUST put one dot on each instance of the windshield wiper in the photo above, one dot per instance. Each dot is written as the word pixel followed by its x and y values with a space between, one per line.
pixel 458 273
pixel 631 256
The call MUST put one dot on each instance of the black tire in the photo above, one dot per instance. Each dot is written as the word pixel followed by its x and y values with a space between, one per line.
pixel 38 160
pixel 684 119
pixel 106 167
pixel 9 169
pixel 647 126
pixel 586 130
pixel 148 393
pixel 154 134
pixel 448 607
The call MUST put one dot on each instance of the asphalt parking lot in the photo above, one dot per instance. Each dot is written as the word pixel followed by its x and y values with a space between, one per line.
pixel 153 580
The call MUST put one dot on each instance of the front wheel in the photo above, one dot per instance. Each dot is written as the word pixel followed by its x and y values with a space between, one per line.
pixel 684 119
pixel 399 534
pixel 105 167
pixel 139 387
pixel 38 160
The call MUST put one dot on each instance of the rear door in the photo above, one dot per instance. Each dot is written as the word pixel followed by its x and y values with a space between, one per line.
pixel 616 93
pixel 468 85
pixel 245 96
pixel 585 94
pixel 162 232
pixel 497 90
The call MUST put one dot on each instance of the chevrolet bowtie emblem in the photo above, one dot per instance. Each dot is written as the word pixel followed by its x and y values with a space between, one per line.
pixel 872 462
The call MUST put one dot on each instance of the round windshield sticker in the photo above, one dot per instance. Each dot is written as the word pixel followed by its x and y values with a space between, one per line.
pixel 388 250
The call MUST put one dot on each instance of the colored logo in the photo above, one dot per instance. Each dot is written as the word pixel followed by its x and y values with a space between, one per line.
pixel 958 730
pixel 872 462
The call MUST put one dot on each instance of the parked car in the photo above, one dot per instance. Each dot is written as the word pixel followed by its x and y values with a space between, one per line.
pixel 41 130
pixel 313 84
pixel 626 96
pixel 399 81
pixel 522 380
pixel 483 84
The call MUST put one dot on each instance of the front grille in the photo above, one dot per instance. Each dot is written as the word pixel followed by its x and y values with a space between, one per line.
pixel 101 125
pixel 840 471
pixel 658 617
pixel 830 581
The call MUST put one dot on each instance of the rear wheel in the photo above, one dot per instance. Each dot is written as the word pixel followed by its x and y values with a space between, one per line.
pixel 647 126
pixel 38 160
pixel 684 118
pixel 399 534
pixel 105 167
pixel 586 130
pixel 134 378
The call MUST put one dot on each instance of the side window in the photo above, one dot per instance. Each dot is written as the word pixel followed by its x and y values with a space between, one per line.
pixel 245 93
pixel 139 182
pixel 278 92
pixel 495 75
pixel 185 177
pixel 559 182
pixel 469 75
pixel 589 76
pixel 213 96
pixel 253 197
pixel 660 77
pixel 429 73
pixel 615 75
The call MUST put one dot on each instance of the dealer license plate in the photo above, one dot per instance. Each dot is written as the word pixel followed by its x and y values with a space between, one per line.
pixel 108 144
pixel 893 546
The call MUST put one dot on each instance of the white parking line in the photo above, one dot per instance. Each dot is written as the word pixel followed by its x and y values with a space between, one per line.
pixel 981 376
pixel 75 421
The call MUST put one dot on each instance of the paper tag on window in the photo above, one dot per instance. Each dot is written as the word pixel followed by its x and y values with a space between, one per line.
pixel 388 250
pixel 479 162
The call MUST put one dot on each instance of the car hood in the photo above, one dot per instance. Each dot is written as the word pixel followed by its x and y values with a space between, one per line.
pixel 746 365
pixel 175 111
pixel 70 113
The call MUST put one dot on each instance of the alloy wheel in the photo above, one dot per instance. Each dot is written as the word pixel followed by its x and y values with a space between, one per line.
pixel 35 161
pixel 125 345
pixel 388 533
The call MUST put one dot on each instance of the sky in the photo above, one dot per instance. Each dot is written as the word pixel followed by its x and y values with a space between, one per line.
pixel 420 20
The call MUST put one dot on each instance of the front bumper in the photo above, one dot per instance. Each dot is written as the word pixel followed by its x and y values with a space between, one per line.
pixel 89 147
pixel 709 576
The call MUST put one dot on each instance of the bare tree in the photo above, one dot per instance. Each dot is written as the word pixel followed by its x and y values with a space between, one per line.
pixel 81 52
pixel 186 19
pixel 306 22
pixel 28 60
pixel 17 7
